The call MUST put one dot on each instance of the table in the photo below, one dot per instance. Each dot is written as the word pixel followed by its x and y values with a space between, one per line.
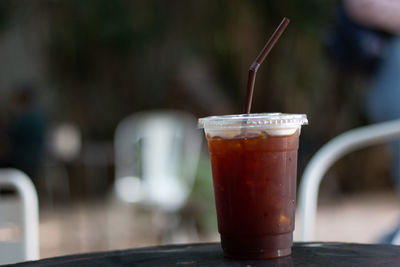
pixel 210 254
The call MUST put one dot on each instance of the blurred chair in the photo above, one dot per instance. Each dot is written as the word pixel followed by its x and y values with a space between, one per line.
pixel 64 146
pixel 156 157
pixel 19 218
pixel 325 158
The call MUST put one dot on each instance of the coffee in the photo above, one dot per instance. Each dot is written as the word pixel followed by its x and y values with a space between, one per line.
pixel 255 190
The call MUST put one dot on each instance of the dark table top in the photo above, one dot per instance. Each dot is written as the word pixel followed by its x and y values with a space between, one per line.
pixel 210 254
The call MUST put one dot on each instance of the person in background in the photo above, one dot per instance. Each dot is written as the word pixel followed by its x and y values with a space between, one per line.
pixel 383 94
pixel 24 131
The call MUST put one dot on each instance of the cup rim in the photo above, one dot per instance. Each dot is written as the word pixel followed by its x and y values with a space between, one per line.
pixel 253 120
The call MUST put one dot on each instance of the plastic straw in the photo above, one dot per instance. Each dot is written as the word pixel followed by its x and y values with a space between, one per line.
pixel 260 58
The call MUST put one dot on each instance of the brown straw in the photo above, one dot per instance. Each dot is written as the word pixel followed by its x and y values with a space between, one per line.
pixel 260 58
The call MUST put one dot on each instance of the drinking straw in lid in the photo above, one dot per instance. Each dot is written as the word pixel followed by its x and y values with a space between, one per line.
pixel 259 59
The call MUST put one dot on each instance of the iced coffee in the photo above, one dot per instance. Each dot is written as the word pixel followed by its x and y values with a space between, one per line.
pixel 254 166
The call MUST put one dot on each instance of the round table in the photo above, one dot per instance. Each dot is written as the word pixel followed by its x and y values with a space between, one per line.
pixel 210 254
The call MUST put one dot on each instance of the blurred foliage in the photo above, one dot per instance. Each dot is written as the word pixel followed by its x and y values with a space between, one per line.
pixel 3 15
pixel 122 56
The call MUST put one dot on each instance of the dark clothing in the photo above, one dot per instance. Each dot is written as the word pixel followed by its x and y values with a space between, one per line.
pixel 26 133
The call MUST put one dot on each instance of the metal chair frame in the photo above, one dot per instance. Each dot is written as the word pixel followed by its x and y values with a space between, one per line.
pixel 30 215
pixel 321 162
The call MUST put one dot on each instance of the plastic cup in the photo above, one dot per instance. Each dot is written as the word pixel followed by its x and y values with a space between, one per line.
pixel 254 166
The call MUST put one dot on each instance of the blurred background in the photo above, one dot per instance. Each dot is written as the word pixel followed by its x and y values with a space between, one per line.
pixel 71 71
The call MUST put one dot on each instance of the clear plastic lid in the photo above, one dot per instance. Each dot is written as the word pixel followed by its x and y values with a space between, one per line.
pixel 272 123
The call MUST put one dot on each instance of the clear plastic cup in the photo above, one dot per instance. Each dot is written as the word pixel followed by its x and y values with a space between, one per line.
pixel 254 166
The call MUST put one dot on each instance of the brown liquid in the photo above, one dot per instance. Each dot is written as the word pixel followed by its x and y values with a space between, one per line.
pixel 255 190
